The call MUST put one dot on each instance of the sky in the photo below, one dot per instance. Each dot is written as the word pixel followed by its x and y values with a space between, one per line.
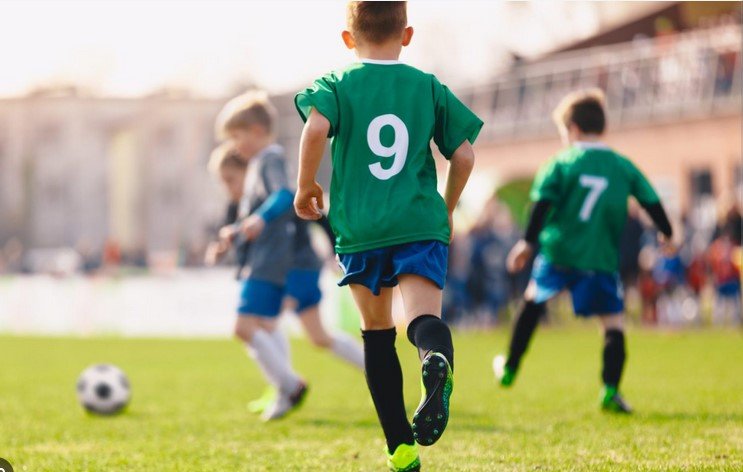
pixel 212 48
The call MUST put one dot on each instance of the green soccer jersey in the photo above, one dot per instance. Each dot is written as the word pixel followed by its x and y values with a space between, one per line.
pixel 383 116
pixel 588 186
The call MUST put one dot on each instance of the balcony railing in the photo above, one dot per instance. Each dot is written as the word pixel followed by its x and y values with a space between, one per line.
pixel 694 74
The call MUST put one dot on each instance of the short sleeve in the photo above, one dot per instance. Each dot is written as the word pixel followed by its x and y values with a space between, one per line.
pixel 274 175
pixel 548 182
pixel 455 123
pixel 322 97
pixel 640 187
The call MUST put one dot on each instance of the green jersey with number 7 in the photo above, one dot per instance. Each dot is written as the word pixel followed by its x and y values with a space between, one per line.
pixel 588 186
pixel 383 116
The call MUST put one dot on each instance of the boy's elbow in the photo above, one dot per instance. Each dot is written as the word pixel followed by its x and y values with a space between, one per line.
pixel 317 125
pixel 464 155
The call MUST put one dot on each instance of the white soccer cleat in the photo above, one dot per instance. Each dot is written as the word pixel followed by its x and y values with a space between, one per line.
pixel 284 404
pixel 278 409
pixel 499 366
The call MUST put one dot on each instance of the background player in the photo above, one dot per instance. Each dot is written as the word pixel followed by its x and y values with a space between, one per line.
pixel 391 223
pixel 248 121
pixel 303 280
pixel 580 210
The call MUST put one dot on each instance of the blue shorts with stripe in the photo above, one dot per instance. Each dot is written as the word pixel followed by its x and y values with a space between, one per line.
pixel 378 268
pixel 262 298
pixel 593 292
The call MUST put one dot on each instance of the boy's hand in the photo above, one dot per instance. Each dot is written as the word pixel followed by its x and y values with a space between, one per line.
pixel 252 227
pixel 308 201
pixel 667 246
pixel 519 256
pixel 227 235
pixel 214 252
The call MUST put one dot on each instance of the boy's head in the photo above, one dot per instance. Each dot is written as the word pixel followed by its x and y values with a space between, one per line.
pixel 376 24
pixel 249 121
pixel 581 115
pixel 225 163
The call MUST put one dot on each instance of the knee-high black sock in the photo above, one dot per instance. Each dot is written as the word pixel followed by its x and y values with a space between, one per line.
pixel 384 378
pixel 429 333
pixel 614 356
pixel 523 330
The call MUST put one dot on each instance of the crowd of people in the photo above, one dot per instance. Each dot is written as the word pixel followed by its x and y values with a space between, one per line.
pixel 699 282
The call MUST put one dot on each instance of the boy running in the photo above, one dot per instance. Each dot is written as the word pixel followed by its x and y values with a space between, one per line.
pixel 303 280
pixel 267 222
pixel 392 225
pixel 580 210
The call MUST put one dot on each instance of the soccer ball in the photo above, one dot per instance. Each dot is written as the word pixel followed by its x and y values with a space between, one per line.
pixel 103 389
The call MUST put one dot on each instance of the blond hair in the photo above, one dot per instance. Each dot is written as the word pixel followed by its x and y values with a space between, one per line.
pixel 246 110
pixel 224 156
pixel 584 108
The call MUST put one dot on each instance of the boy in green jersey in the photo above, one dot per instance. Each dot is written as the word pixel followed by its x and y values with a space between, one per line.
pixel 580 210
pixel 392 225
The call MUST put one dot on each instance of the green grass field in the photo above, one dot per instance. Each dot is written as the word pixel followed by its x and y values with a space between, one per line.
pixel 189 408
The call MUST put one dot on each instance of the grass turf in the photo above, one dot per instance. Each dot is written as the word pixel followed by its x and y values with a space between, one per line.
pixel 189 407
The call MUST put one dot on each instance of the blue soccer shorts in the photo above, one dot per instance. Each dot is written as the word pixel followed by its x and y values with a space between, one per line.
pixel 593 293
pixel 381 267
pixel 262 298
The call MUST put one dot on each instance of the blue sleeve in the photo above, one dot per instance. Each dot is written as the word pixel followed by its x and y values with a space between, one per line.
pixel 276 204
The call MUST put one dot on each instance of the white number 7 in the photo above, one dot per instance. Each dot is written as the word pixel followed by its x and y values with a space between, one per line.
pixel 597 185
pixel 399 147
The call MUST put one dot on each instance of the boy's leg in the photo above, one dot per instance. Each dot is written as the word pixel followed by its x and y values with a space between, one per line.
pixel 382 366
pixel 614 349
pixel 614 356
pixel 422 299
pixel 257 333
pixel 341 344
pixel 523 329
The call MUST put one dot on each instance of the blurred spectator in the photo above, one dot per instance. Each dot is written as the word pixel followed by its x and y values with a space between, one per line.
pixel 726 279
pixel 649 289
pixel 457 303
pixel 491 238
pixel 731 223
pixel 629 247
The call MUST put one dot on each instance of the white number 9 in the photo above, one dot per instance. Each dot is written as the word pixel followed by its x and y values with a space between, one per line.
pixel 399 147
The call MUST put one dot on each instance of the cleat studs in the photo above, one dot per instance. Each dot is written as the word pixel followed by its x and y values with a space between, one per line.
pixel 428 419
pixel 415 435
pixel 441 375
pixel 439 416
pixel 436 431
pixel 441 364
pixel 425 373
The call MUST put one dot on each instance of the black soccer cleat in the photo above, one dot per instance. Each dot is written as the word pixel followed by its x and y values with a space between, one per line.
pixel 432 415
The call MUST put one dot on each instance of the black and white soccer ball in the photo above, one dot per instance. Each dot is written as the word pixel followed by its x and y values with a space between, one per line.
pixel 103 389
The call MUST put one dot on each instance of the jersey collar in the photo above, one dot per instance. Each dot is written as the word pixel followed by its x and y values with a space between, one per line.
pixel 380 62
pixel 590 145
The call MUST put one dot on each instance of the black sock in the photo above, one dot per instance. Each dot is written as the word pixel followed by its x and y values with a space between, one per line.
pixel 524 328
pixel 614 356
pixel 429 333
pixel 384 378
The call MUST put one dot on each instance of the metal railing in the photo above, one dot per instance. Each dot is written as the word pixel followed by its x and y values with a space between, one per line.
pixel 693 74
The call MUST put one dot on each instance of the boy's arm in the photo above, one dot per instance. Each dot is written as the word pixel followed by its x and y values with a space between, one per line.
pixel 648 198
pixel 460 168
pixel 309 198
pixel 524 248
pixel 658 214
